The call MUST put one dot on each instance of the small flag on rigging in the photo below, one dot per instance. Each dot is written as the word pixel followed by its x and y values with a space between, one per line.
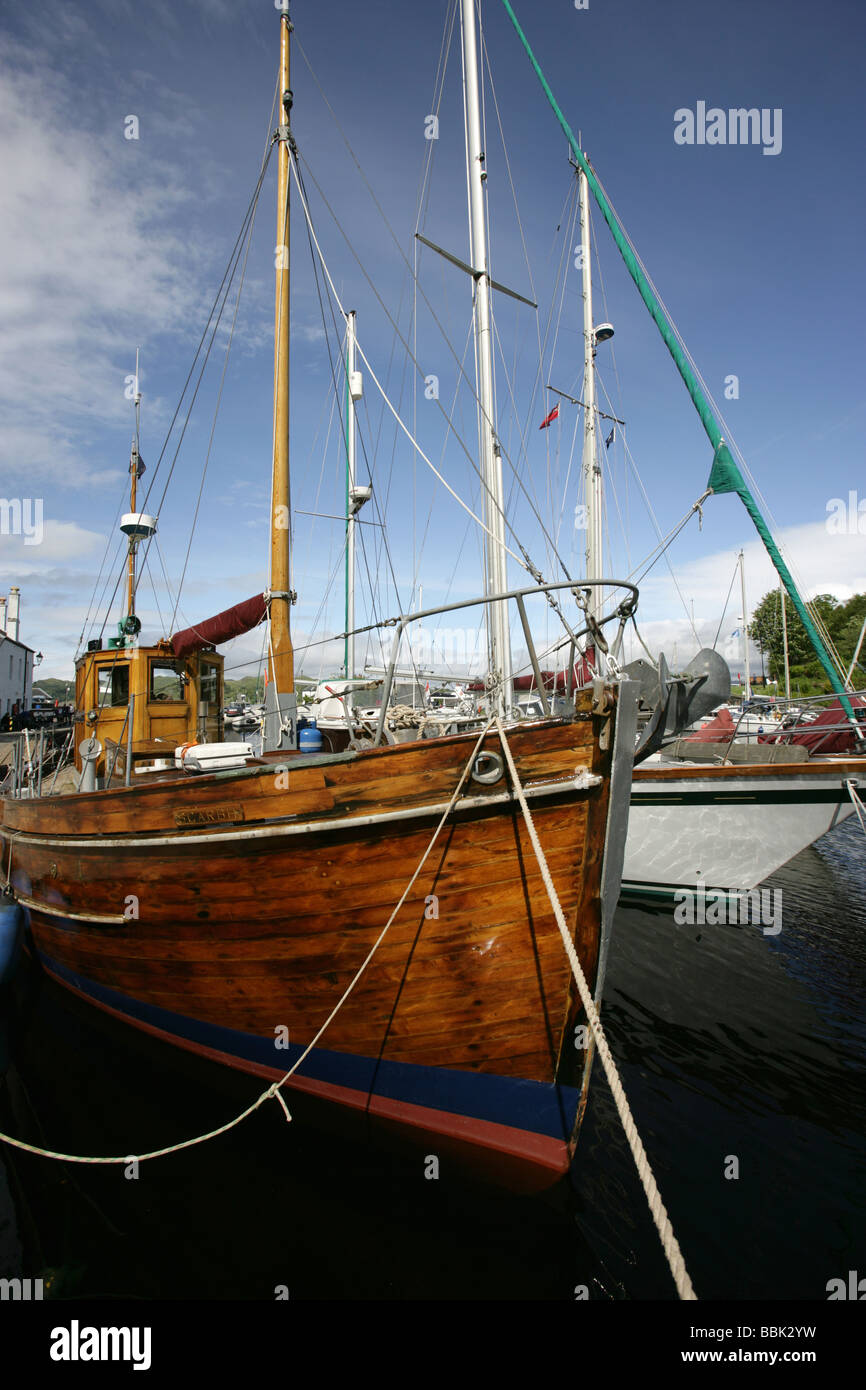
pixel 549 419
pixel 611 437
pixel 139 467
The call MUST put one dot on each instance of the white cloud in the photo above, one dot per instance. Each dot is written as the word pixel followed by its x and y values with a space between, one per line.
pixel 820 563
pixel 86 250
pixel 62 542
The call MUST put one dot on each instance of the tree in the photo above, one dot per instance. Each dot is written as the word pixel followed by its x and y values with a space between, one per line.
pixel 842 621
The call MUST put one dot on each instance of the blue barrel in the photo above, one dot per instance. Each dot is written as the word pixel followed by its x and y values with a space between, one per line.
pixel 11 934
pixel 309 738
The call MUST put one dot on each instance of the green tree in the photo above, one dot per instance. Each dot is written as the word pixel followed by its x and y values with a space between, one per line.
pixel 842 621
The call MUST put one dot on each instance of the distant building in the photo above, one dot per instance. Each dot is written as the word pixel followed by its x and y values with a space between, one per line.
pixel 16 659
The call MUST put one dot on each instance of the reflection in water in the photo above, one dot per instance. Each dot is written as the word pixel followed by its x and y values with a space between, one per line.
pixel 738 1045
pixel 732 1045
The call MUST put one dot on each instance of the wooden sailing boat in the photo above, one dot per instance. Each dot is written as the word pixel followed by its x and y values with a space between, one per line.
pixel 229 911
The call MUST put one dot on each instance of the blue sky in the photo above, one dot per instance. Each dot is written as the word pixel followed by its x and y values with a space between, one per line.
pixel 108 244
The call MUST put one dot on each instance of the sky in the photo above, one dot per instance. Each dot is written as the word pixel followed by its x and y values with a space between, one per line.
pixel 110 244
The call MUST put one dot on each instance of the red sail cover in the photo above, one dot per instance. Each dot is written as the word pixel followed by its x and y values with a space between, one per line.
pixel 820 736
pixel 720 729
pixel 230 623
pixel 553 680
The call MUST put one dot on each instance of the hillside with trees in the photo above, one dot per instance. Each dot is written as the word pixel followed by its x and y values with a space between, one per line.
pixel 843 622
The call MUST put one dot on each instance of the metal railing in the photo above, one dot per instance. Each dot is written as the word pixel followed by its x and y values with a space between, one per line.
pixel 591 628
pixel 35 753
pixel 787 721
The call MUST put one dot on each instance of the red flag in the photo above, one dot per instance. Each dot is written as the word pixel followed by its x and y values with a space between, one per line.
pixel 549 419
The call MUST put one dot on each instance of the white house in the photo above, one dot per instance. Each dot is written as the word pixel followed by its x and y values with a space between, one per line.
pixel 16 660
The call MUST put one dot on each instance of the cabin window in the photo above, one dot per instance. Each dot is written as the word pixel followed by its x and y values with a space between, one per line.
pixel 209 683
pixel 113 687
pixel 167 681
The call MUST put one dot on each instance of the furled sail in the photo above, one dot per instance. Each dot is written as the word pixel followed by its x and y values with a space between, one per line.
pixel 232 622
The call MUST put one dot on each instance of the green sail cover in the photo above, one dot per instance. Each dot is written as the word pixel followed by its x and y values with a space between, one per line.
pixel 725 476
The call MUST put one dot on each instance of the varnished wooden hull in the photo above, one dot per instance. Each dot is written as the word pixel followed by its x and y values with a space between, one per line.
pixel 258 901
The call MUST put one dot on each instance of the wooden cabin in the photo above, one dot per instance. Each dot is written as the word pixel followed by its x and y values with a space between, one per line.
pixel 169 700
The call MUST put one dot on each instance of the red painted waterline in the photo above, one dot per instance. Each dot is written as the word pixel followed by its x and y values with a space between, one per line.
pixel 530 1162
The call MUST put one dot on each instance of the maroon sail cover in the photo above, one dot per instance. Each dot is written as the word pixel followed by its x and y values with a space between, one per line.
pixel 233 622
pixel 831 732
pixel 720 729
pixel 553 680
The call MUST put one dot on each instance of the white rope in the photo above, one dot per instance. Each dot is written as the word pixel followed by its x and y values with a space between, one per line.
pixel 657 1208
pixel 857 803
pixel 273 1092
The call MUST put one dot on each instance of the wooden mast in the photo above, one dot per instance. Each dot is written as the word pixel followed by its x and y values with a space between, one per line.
pixel 279 727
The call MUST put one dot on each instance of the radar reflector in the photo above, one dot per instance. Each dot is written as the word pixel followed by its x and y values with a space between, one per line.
pixel 138 525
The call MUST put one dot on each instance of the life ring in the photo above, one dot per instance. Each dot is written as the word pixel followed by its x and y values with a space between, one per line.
pixel 184 749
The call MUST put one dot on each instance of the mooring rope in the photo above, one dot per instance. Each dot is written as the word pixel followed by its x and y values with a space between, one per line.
pixel 669 1241
pixel 273 1092
pixel 857 802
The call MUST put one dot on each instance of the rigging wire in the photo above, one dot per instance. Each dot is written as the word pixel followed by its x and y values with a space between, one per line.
pixel 732 445
pixel 119 546
pixel 221 300
pixel 550 543
pixel 532 570
pixel 386 398
pixel 313 246
pixel 725 609
pixel 216 413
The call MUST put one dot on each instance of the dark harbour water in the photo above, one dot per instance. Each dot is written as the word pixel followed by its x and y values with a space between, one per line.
pixel 730 1044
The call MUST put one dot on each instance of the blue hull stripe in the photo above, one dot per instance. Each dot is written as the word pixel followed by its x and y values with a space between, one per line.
pixel 534 1106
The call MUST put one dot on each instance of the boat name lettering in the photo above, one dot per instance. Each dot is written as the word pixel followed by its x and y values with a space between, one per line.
pixel 212 815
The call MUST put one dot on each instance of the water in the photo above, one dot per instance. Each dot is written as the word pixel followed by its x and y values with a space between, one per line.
pixel 732 1044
